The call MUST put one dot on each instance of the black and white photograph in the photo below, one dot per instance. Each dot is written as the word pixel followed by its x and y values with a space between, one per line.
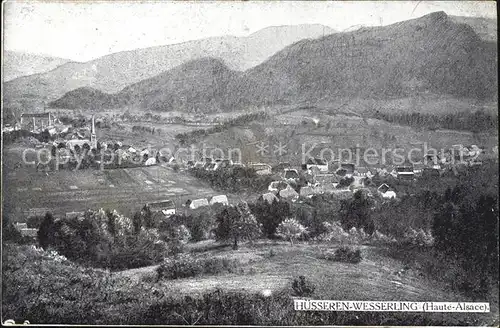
pixel 250 163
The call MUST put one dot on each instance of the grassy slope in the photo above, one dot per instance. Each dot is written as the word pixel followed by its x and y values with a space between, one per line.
pixel 374 278
pixel 123 297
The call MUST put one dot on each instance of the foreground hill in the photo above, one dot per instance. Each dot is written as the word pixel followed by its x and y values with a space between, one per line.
pixel 428 55
pixel 113 72
pixel 17 64
pixel 52 289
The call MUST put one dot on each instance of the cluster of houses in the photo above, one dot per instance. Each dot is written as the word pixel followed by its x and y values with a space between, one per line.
pixel 321 178
pixel 25 231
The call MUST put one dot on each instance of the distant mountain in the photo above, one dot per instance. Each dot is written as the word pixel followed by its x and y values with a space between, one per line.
pixel 486 28
pixel 113 72
pixel 198 85
pixel 17 64
pixel 431 54
pixel 428 54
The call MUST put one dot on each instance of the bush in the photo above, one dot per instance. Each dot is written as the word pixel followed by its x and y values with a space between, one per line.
pixel 102 239
pixel 185 266
pixel 342 254
pixel 302 287
pixel 290 229
pixel 346 254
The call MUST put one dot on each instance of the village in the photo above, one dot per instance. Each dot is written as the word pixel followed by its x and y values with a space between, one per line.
pixel 76 147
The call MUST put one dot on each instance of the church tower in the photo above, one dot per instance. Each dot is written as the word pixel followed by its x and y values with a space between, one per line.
pixel 93 137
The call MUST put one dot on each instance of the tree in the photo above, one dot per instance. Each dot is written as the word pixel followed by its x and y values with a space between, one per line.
pixel 46 230
pixel 237 223
pixel 271 215
pixel 137 222
pixel 147 217
pixel 291 229
pixel 355 212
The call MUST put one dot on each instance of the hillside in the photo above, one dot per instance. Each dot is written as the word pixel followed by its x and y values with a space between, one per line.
pixel 425 56
pixel 486 28
pixel 113 72
pixel 429 54
pixel 17 64
pixel 198 85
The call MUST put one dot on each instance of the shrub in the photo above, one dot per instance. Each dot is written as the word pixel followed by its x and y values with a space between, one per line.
pixel 182 266
pixel 346 254
pixel 342 254
pixel 185 266
pixel 302 287
pixel 290 229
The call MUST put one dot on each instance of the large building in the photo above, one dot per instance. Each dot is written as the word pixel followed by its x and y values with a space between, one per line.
pixel 41 120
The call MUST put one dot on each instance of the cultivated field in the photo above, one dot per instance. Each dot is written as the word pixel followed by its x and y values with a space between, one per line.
pixel 125 190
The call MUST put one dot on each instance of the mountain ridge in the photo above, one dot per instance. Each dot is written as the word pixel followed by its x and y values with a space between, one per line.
pixel 113 72
pixel 18 64
pixel 427 54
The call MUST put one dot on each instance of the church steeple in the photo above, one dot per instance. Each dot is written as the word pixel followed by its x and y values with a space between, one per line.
pixel 93 137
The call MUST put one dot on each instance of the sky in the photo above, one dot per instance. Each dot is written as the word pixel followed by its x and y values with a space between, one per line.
pixel 82 31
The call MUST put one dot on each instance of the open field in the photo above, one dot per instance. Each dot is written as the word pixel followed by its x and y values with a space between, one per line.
pixel 122 189
pixel 374 278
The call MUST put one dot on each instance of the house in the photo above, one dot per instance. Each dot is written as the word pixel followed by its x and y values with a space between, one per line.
pixel 418 169
pixel 150 161
pixel 405 173
pixel 71 144
pixel 309 191
pixel 240 165
pixel 281 167
pixel 220 199
pixel 269 197
pixel 289 193
pixel 430 173
pixel 25 231
pixel 291 175
pixel 345 169
pixel 327 180
pixel 365 191
pixel 261 168
pixel 21 225
pixel 199 165
pixel 431 158
pixel 363 172
pixel 222 164
pixel 318 163
pixel 70 215
pixel 167 207
pixel 29 232
pixel 386 192
pixel 197 203
pixel 210 166
pixel 276 186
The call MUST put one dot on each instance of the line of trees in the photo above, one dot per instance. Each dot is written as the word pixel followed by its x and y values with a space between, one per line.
pixel 191 137
pixel 478 121
pixel 148 129
pixel 234 179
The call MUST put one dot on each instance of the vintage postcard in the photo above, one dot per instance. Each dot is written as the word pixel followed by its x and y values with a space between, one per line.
pixel 250 163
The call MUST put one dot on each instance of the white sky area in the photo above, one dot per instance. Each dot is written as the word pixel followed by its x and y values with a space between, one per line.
pixel 83 31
